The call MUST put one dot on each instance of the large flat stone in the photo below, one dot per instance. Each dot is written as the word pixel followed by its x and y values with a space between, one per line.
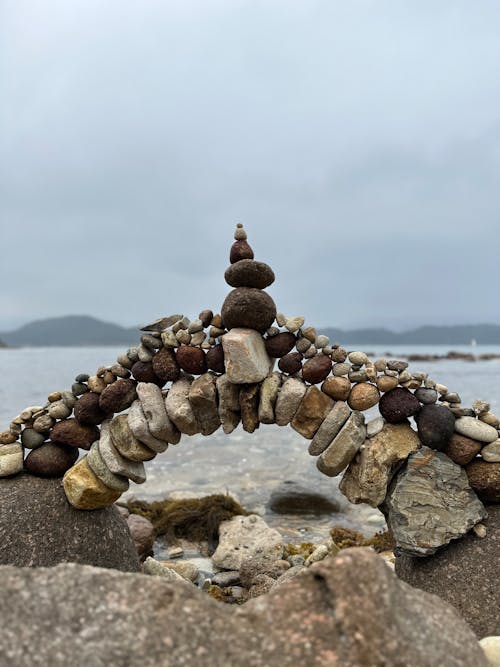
pixel 330 428
pixel 84 490
pixel 179 408
pixel 344 447
pixel 289 397
pixel 311 412
pixel 153 406
pixel 203 399
pixel 245 356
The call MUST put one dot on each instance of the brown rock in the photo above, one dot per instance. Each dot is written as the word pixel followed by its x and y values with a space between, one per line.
pixel 203 399
pixel 165 365
pixel 317 369
pixel 484 478
pixel 462 450
pixel 249 308
pixel 191 359
pixel 363 396
pixel 249 273
pixel 249 406
pixel 84 490
pixel 143 372
pixel 215 359
pixel 143 534
pixel 386 383
pixel 88 411
pixel 125 441
pixel 281 344
pixel 117 396
pixel 7 438
pixel 240 250
pixel 291 363
pixel 51 460
pixel 338 388
pixel 71 432
pixel 311 412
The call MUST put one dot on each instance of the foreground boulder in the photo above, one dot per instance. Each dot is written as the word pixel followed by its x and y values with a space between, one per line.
pixel 39 528
pixel 465 574
pixel 350 611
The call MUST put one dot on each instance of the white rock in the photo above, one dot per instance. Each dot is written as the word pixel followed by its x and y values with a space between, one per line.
pixel 153 406
pixel 491 452
pixel 245 356
pixel 244 537
pixel 475 429
pixel 138 424
pixel 11 459
pixel 179 408
pixel 321 342
pixel 289 398
pixel 169 339
pixel 491 648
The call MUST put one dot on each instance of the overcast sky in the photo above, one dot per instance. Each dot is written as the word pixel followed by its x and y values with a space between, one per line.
pixel 358 141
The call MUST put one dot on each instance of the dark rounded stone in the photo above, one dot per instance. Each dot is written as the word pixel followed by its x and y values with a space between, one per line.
pixel 240 250
pixel 249 308
pixel 281 344
pixel 88 411
pixel 484 478
pixel 215 359
pixel 165 365
pixel 143 372
pixel 71 432
pixel 39 528
pixel 462 450
pixel 118 396
pixel 249 273
pixel 398 404
pixel 291 363
pixel 191 359
pixel 317 369
pixel 31 439
pixel 51 460
pixel 435 425
pixel 206 317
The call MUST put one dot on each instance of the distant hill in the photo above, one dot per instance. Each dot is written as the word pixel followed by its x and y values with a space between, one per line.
pixel 70 330
pixel 86 330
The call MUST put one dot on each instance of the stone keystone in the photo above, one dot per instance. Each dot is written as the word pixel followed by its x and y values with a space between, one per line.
pixel 245 356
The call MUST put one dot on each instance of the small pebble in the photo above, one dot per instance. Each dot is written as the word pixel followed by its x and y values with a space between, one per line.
pixel 359 358
pixel 205 317
pixel 310 353
pixel 293 324
pixel 96 384
pixel 321 342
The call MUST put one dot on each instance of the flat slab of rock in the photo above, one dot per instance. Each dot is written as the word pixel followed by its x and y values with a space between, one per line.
pixel 311 412
pixel 430 503
pixel 344 447
pixel 203 399
pixel 465 574
pixel 153 406
pixel 245 537
pixel 229 403
pixel 330 428
pixel 289 397
pixel 245 356
pixel 350 611
pixel 475 429
pixel 179 408
pixel 39 528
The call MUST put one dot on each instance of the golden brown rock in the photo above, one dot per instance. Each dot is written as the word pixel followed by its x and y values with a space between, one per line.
pixel 484 478
pixel 386 383
pixel 7 438
pixel 338 388
pixel 311 412
pixel 84 490
pixel 363 396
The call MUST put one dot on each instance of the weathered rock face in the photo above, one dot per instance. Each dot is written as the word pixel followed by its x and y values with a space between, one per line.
pixel 465 574
pixel 350 611
pixel 155 412
pixel 245 356
pixel 311 412
pixel 288 401
pixel 179 408
pixel 246 537
pixel 126 442
pixel 430 503
pixel 39 528
pixel 368 475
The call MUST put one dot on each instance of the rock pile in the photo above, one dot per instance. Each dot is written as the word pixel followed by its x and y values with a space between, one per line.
pixel 188 377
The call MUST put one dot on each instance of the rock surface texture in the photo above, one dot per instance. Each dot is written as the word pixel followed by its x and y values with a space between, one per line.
pixel 350 611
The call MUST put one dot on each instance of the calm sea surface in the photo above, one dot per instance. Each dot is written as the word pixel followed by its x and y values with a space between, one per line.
pixel 249 466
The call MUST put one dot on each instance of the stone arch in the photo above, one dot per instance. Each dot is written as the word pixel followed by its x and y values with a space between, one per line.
pixel 218 371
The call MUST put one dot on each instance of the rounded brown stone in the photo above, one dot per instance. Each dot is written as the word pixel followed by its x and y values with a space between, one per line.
pixel 191 359
pixel 484 478
pixel 165 365
pixel 435 425
pixel 249 273
pixel 317 369
pixel 88 411
pixel 206 317
pixel 215 359
pixel 118 396
pixel 386 383
pixel 363 396
pixel 398 404
pixel 51 460
pixel 462 450
pixel 249 308
pixel 291 363
pixel 281 344
pixel 143 372
pixel 71 432
pixel 240 250
pixel 338 388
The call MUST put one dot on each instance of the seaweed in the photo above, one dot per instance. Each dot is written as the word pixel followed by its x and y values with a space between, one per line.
pixel 347 537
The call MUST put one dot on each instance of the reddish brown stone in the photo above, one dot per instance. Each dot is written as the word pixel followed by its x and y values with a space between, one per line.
pixel 462 450
pixel 317 369
pixel 281 344
pixel 51 460
pixel 249 273
pixel 484 478
pixel 240 250
pixel 206 317
pixel 143 372
pixel 363 396
pixel 118 396
pixel 398 404
pixel 192 359
pixel 215 359
pixel 88 411
pixel 291 363
pixel 165 365
pixel 249 308
pixel 71 432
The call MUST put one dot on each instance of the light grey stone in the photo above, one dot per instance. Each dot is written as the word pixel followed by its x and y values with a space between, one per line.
pixel 31 439
pixel 59 410
pixel 330 427
pixel 153 406
pixel 229 403
pixel 244 537
pixel 426 396
pixel 268 396
pixel 179 408
pixel 203 399
pixel 138 424
pixel 116 463
pixel 475 429
pixel 491 648
pixel 245 356
pixel 374 426
pixel 289 398
pixel 344 446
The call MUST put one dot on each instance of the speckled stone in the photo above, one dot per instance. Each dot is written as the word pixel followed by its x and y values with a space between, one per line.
pixel 84 490
pixel 143 372
pixel 247 307
pixel 229 403
pixel 398 404
pixel 88 411
pixel 51 460
pixel 245 357
pixel 484 478
pixel 117 464
pixel 268 396
pixel 165 365
pixel 71 432
pixel 153 405
pixel 139 426
pixel 475 429
pixel 101 471
pixel 191 359
pixel 203 399
pixel 281 344
pixel 316 370
pixel 125 441
pixel 249 273
pixel 311 412
pixel 179 408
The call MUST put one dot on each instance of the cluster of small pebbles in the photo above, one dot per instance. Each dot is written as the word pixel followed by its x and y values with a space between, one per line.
pixel 219 370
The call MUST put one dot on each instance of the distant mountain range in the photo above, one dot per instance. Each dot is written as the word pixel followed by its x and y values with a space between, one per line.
pixel 82 330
